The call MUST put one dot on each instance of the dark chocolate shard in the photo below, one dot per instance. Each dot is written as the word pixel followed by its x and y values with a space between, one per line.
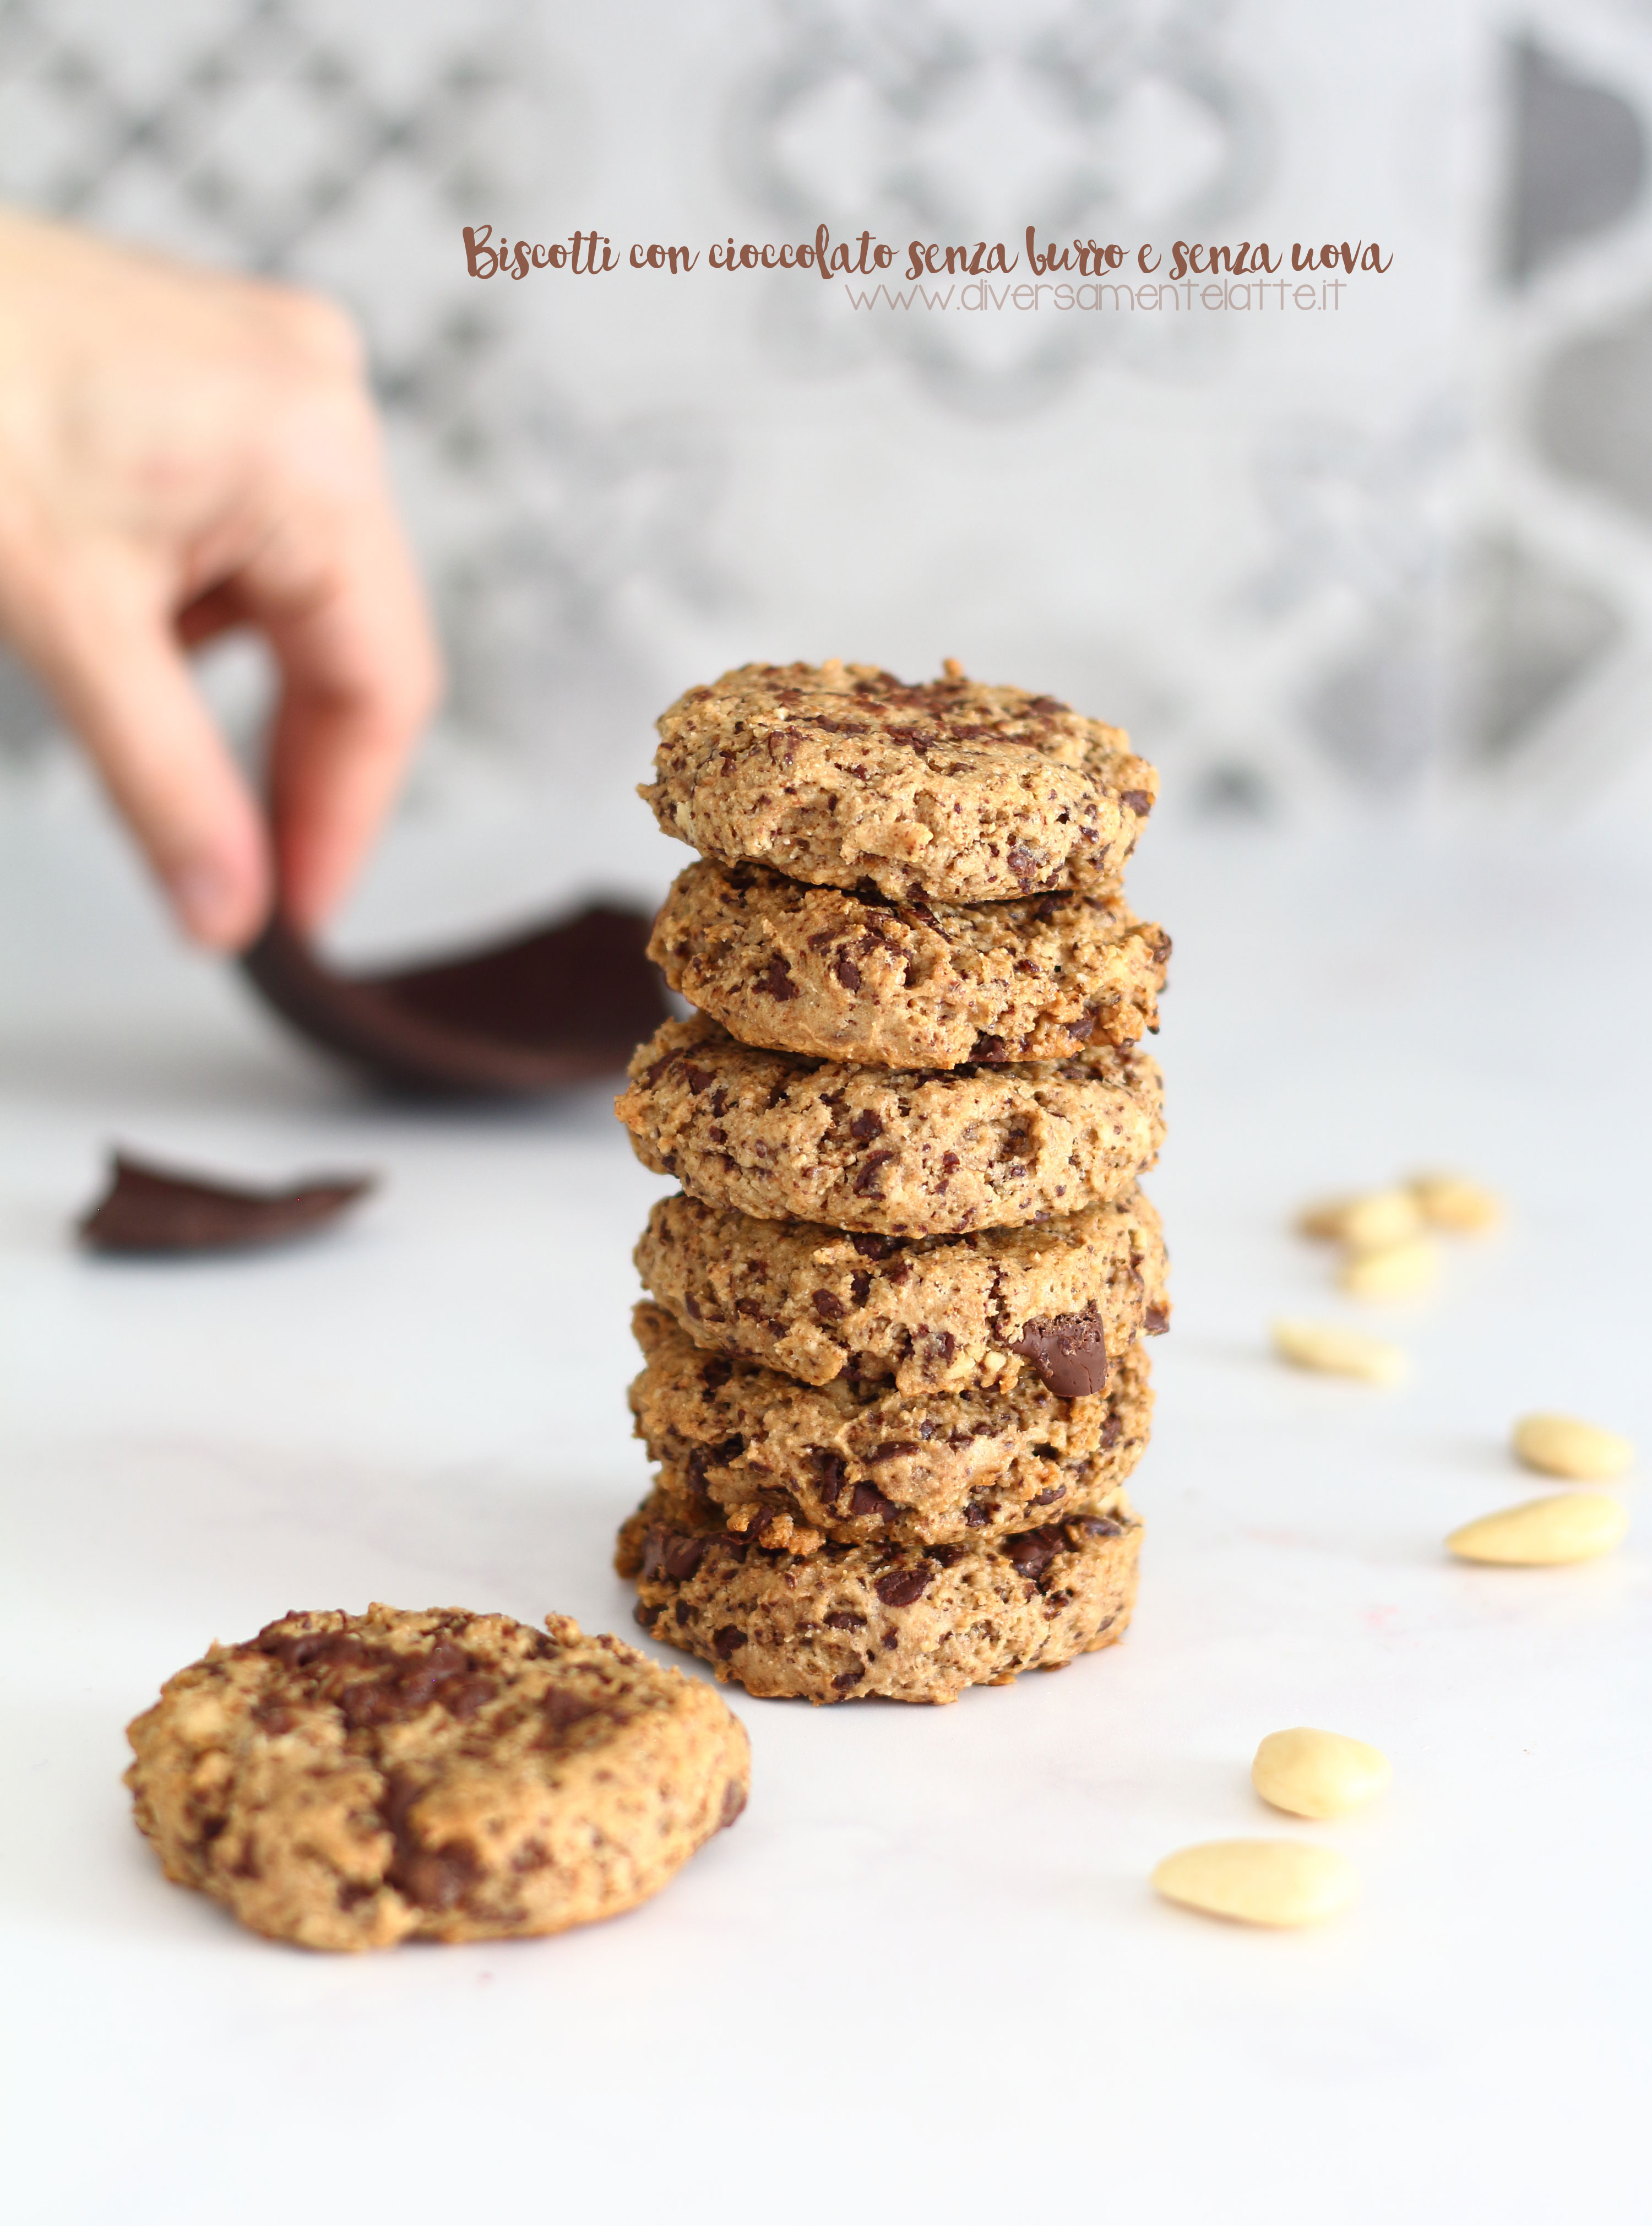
pixel 149 1209
pixel 1068 1351
pixel 559 1005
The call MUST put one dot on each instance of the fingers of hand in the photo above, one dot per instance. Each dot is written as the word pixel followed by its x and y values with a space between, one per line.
pixel 360 676
pixel 105 650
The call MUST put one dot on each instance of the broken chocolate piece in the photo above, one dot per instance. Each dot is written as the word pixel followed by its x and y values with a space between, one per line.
pixel 147 1209
pixel 1069 1352
pixel 557 1005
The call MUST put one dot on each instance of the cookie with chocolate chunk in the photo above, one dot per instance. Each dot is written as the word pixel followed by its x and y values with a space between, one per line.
pixel 894 1152
pixel 353 1781
pixel 1062 1298
pixel 843 775
pixel 906 983
pixel 849 1622
pixel 789 1463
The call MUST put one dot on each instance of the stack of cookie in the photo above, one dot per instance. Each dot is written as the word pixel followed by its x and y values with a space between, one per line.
pixel 894 1377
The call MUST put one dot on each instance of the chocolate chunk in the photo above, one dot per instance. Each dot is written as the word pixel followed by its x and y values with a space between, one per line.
pixel 831 1472
pixel 866 1183
pixel 827 1307
pixel 874 1248
pixel 861 1287
pixel 436 1880
pixel 682 1557
pixel 1155 1321
pixel 300 1648
pixel 727 1641
pixel 146 1208
pixel 560 1712
pixel 848 973
pixel 775 980
pixel 1137 800
pixel 894 1449
pixel 989 1047
pixel 844 1618
pixel 556 1006
pixel 902 1587
pixel 866 1126
pixel 1069 1352
pixel 866 1499
pixel 1033 1551
pixel 849 1678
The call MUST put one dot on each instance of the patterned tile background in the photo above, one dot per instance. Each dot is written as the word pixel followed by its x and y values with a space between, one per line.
pixel 1395 560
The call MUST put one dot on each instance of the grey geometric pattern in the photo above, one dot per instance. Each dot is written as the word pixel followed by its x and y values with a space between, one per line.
pixel 1091 120
pixel 1579 159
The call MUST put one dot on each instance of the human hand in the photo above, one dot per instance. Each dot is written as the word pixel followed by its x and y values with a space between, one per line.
pixel 184 451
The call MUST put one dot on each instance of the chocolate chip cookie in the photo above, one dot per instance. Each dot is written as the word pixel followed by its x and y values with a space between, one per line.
pixel 352 1781
pixel 911 983
pixel 892 1153
pixel 847 1621
pixel 842 774
pixel 794 1463
pixel 934 1313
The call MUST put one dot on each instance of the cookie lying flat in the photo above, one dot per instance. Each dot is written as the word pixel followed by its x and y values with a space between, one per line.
pixel 793 1463
pixel 352 1781
pixel 837 976
pixel 851 1621
pixel 936 1314
pixel 895 1154
pixel 842 774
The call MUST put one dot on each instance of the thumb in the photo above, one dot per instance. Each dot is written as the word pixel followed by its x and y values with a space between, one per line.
pixel 108 656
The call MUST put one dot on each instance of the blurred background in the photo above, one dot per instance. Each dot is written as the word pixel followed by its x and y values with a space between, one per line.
pixel 1392 562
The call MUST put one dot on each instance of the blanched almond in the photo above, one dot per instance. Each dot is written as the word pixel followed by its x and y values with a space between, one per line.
pixel 1310 1773
pixel 1337 1351
pixel 1366 1220
pixel 1396 1271
pixel 1276 1882
pixel 1566 1526
pixel 1560 1445
pixel 1467 1209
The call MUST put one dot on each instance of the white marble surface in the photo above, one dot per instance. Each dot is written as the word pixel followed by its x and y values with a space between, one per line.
pixel 924 1977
